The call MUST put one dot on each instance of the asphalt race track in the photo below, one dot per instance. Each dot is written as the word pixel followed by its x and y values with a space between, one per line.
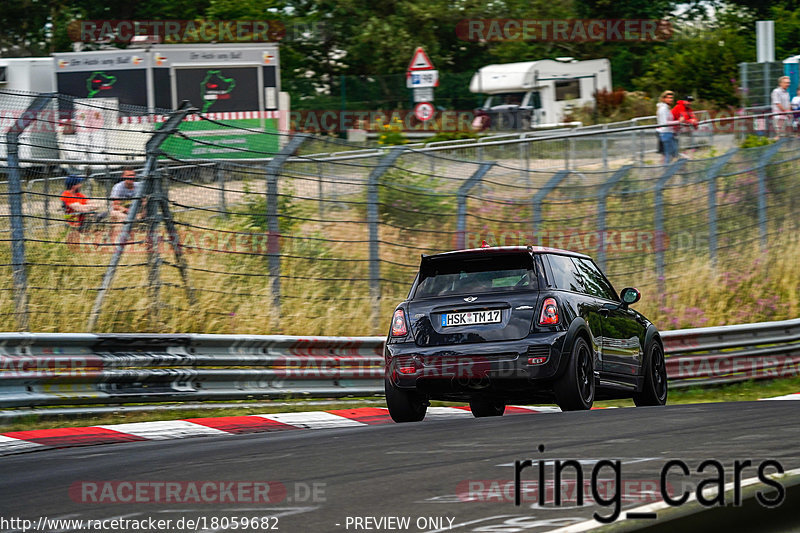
pixel 440 475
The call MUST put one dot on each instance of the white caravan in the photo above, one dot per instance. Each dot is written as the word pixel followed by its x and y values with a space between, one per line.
pixel 540 92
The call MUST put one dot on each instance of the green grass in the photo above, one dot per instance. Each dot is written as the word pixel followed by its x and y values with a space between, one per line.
pixel 745 391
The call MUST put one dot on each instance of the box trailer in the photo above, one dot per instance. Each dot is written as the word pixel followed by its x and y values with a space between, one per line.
pixel 235 86
pixel 526 94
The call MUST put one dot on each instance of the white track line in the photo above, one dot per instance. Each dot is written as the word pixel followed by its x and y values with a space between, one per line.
pixel 793 396
pixel 441 413
pixel 10 444
pixel 164 429
pixel 313 420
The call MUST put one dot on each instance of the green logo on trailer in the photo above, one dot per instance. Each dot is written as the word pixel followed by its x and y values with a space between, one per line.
pixel 215 87
pixel 99 81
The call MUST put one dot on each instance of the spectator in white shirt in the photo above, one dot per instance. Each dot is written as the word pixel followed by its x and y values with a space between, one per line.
pixel 780 104
pixel 123 194
pixel 665 132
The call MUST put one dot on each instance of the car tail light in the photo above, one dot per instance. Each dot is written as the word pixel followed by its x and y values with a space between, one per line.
pixel 399 328
pixel 549 314
pixel 537 360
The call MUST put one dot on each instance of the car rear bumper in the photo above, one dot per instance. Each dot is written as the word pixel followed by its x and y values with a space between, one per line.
pixel 534 358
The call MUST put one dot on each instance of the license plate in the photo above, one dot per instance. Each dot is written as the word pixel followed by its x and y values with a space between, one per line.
pixel 467 318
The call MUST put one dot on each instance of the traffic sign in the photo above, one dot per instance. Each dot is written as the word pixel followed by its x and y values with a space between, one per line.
pixel 422 78
pixel 420 61
pixel 424 111
pixel 423 94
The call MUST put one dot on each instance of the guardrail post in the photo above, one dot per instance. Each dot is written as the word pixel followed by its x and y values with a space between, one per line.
pixel 557 178
pixel 763 162
pixel 641 146
pixel 713 172
pixel 153 151
pixel 658 221
pixel 601 210
pixel 461 200
pixel 272 172
pixel 372 222
pixel 18 268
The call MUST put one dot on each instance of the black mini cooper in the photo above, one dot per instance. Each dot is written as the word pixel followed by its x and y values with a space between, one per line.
pixel 502 325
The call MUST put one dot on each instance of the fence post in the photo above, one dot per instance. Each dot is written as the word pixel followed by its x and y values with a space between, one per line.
pixel 604 141
pixel 461 201
pixel 713 172
pixel 763 162
pixel 372 222
pixel 152 150
pixel 601 210
pixel 15 208
pixel 320 192
pixel 557 178
pixel 153 257
pixel 220 176
pixel 658 221
pixel 272 172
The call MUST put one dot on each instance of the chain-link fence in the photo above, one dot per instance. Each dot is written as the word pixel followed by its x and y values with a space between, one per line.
pixel 276 240
pixel 757 80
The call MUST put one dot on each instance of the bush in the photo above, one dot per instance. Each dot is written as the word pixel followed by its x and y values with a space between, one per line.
pixel 752 141
pixel 391 134
pixel 409 201
pixel 255 210
pixel 413 200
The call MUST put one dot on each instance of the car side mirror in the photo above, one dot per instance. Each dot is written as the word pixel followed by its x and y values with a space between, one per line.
pixel 630 296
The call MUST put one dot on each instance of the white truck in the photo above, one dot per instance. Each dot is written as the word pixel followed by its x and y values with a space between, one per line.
pixel 27 74
pixel 535 93
pixel 20 79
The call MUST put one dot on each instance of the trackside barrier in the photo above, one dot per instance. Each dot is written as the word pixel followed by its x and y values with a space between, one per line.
pixel 69 369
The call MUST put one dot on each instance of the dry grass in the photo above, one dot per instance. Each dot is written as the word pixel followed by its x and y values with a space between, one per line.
pixel 234 291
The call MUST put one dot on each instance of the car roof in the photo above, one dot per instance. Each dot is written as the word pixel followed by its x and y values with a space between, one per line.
pixel 489 249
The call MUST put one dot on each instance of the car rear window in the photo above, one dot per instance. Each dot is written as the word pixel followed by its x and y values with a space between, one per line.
pixel 450 276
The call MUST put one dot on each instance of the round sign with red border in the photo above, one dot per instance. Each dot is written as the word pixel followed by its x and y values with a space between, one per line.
pixel 424 111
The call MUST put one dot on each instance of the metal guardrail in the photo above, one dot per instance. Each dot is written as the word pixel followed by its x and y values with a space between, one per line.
pixel 636 125
pixel 39 369
pixel 727 354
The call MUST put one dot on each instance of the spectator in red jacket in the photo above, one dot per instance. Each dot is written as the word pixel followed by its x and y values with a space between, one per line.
pixel 683 113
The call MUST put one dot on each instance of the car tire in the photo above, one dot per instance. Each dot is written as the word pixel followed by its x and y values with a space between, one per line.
pixel 404 405
pixel 655 388
pixel 576 387
pixel 482 406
